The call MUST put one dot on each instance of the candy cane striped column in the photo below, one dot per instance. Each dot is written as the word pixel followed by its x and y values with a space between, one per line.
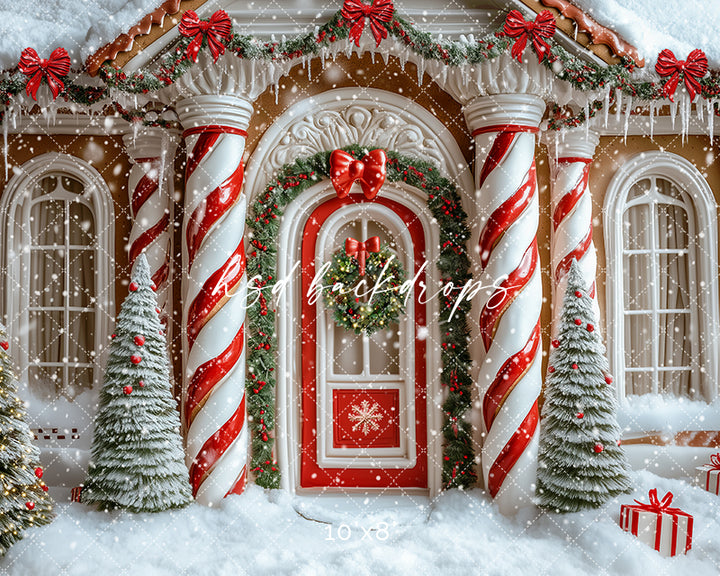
pixel 571 154
pixel 214 295
pixel 152 153
pixel 504 128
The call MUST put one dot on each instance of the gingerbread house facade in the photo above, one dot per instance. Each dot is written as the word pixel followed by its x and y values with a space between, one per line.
pixel 486 163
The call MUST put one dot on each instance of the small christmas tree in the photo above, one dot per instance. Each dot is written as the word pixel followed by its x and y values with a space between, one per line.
pixel 580 463
pixel 24 501
pixel 137 456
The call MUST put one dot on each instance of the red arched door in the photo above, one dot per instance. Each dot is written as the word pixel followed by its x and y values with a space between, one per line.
pixel 364 404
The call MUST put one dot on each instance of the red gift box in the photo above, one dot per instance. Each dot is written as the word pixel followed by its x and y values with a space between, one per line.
pixel 710 475
pixel 75 494
pixel 668 530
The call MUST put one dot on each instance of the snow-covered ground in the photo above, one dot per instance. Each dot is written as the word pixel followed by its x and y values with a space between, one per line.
pixel 259 534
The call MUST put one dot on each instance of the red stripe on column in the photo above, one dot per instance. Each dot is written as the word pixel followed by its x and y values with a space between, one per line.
pixel 512 451
pixel 147 237
pixel 501 146
pixel 573 160
pixel 203 145
pixel 569 201
pixel 211 209
pixel 161 275
pixel 215 129
pixel 239 485
pixel 505 128
pixel 219 286
pixel 216 446
pixel 508 376
pixel 145 188
pixel 580 250
pixel 505 215
pixel 506 293
pixel 210 373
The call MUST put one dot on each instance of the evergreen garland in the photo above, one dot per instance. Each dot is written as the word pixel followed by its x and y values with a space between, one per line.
pixel 583 75
pixel 380 309
pixel 24 501
pixel 264 224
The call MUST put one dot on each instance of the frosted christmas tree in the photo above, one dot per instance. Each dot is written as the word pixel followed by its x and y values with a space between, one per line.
pixel 580 463
pixel 137 458
pixel 24 501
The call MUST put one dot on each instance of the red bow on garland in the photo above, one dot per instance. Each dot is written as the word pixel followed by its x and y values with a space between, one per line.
pixel 543 27
pixel 215 30
pixel 52 69
pixel 370 171
pixel 378 13
pixel 361 250
pixel 692 70
pixel 658 506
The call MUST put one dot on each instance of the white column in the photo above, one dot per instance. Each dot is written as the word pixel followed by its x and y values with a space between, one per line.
pixel 214 294
pixel 570 153
pixel 504 127
pixel 150 189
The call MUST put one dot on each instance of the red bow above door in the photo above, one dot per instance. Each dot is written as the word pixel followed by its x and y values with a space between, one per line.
pixel 370 172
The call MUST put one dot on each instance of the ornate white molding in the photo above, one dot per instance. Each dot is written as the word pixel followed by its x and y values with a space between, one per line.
pixel 501 109
pixel 214 109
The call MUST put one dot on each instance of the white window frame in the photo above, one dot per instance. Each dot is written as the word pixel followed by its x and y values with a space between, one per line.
pixel 17 197
pixel 687 178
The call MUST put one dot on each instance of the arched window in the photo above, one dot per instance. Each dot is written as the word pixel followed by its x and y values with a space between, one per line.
pixel 58 227
pixel 661 239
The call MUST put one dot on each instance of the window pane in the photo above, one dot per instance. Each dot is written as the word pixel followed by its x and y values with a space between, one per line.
pixel 638 282
pixel 44 381
pixel 79 379
pixel 672 226
pixel 639 189
pixel 385 351
pixel 675 382
pixel 638 341
pixel 347 351
pixel 82 337
pixel 82 225
pixel 46 336
pixel 637 228
pixel 82 277
pixel 638 382
pixel 47 220
pixel 674 287
pixel 674 340
pixel 47 280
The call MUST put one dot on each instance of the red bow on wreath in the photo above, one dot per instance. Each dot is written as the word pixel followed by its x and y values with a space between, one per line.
pixel 361 250
pixel 656 505
pixel 215 30
pixel 378 13
pixel 543 27
pixel 52 69
pixel 370 172
pixel 692 70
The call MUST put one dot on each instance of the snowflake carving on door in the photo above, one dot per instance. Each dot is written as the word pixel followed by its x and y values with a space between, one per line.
pixel 366 418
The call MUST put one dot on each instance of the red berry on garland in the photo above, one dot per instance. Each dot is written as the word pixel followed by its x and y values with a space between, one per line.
pixel 135 359
pixel 5 344
pixel 578 321
pixel 265 437
pixel 133 286
pixel 139 340
pixel 556 343
pixel 578 294
pixel 127 389
pixel 30 505
pixel 599 448
pixel 580 415
pixel 590 327
pixel 608 379
pixel 39 472
pixel 574 366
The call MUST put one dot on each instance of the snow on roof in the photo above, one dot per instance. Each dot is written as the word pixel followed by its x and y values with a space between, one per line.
pixel 47 24
pixel 651 26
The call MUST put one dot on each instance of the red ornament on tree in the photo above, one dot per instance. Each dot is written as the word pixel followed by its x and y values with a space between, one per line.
pixel 543 27
pixel 139 340
pixel 580 415
pixel 5 344
pixel 133 286
pixel 551 369
pixel 555 343
pixel 578 321
pixel 44 487
pixel 590 327
pixel 578 294
pixel 135 359
pixel 599 448
pixel 215 30
pixel 30 505
pixel 127 389
pixel 153 287
pixel 574 366
pixel 39 472
pixel 692 71
pixel 608 379
pixel 141 384
pixel 52 69
pixel 379 13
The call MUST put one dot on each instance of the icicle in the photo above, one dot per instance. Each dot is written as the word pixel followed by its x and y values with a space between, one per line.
pixel 673 112
pixel 372 56
pixel 420 70
pixel 385 56
pixel 684 116
pixel 700 112
pixel 606 107
pixel 309 69
pixel 276 87
pixel 711 119
pixel 628 110
pixel 586 109
pixel 652 119
pixel 5 145
pixel 618 104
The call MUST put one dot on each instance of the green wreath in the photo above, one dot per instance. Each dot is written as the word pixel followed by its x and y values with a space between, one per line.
pixel 365 303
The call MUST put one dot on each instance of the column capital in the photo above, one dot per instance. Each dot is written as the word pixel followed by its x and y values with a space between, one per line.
pixel 504 109
pixel 149 142
pixel 573 143
pixel 214 110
